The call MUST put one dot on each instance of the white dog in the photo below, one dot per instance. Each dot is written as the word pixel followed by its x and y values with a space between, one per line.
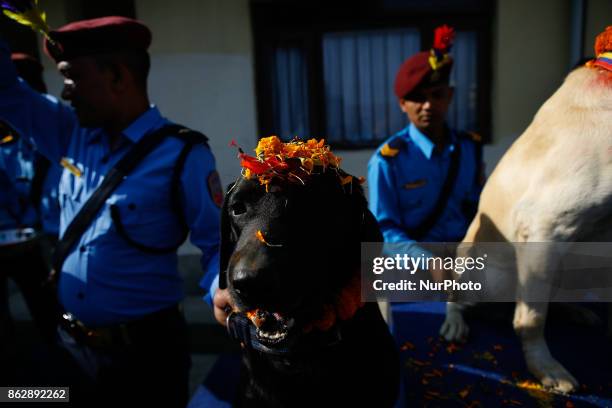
pixel 553 185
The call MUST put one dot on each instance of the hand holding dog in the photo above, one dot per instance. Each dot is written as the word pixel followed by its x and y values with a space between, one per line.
pixel 222 303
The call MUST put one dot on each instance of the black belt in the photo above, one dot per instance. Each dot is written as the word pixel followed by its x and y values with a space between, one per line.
pixel 21 248
pixel 146 329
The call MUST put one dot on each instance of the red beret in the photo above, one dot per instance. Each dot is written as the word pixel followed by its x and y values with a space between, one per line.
pixel 417 71
pixel 98 36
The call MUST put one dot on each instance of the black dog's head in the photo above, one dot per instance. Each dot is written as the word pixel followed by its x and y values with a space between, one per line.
pixel 289 252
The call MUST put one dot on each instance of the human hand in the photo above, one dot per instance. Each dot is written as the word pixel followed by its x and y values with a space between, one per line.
pixel 222 304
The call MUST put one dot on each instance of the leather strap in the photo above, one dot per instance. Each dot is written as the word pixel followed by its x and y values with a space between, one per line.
pixel 112 180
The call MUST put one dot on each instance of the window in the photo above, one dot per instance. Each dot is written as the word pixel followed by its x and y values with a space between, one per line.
pixel 290 91
pixel 324 71
pixel 358 71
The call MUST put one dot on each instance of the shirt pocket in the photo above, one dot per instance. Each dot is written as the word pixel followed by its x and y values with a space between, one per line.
pixel 415 197
pixel 413 192
pixel 142 218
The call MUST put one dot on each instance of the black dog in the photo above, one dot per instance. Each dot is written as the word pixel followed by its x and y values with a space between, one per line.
pixel 288 256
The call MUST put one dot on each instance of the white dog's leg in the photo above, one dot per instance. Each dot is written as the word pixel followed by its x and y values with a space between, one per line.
pixel 454 327
pixel 534 269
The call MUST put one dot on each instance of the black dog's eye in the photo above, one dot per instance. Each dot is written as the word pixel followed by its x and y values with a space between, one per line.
pixel 238 208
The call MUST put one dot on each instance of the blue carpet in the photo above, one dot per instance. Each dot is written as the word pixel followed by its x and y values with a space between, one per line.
pixel 488 371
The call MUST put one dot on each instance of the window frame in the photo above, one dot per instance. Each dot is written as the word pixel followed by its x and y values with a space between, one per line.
pixel 305 22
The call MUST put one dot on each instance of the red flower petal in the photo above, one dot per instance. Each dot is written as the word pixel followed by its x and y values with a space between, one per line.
pixel 443 38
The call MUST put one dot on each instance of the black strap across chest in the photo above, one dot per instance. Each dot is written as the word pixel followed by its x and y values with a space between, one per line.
pixel 113 179
pixel 41 169
pixel 421 230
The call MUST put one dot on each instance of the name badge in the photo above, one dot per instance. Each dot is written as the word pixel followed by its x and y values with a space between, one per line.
pixel 415 184
pixel 65 162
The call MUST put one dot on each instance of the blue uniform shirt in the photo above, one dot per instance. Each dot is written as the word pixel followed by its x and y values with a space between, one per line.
pixel 404 185
pixel 105 280
pixel 49 201
pixel 17 168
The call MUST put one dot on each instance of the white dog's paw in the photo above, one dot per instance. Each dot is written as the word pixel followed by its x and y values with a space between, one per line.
pixel 454 327
pixel 552 375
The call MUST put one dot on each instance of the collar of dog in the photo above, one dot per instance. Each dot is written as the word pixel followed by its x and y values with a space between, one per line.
pixel 241 328
pixel 603 60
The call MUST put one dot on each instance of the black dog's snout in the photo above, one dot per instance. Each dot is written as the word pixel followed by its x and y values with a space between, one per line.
pixel 254 288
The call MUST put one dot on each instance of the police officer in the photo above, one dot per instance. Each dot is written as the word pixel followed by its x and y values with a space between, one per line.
pixel 29 216
pixel 119 282
pixel 425 181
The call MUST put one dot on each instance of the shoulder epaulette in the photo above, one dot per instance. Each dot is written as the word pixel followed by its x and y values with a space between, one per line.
pixel 8 135
pixel 473 136
pixel 192 136
pixel 392 147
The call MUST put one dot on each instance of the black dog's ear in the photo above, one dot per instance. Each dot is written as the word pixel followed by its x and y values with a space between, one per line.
pixel 370 232
pixel 227 238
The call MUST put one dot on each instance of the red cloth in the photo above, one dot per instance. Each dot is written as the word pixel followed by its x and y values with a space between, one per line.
pixel 98 36
pixel 416 71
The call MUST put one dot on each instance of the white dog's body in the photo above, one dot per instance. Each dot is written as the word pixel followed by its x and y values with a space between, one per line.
pixel 553 185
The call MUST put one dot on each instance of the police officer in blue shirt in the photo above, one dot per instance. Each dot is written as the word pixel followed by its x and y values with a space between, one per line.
pixel 29 217
pixel 119 282
pixel 425 181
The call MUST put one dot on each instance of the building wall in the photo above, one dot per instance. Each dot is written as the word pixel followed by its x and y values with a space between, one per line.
pixel 598 16
pixel 202 67
pixel 56 17
pixel 531 58
pixel 202 71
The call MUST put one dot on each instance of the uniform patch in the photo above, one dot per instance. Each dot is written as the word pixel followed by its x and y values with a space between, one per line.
pixel 388 151
pixel 214 188
pixel 7 134
pixel 7 139
pixel 415 184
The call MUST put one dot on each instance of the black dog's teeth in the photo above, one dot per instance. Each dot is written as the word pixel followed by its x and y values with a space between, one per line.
pixel 271 337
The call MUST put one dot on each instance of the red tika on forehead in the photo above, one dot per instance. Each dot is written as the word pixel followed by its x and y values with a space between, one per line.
pixel 293 161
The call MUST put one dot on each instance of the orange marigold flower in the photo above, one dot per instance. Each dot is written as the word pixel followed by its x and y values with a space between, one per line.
pixel 603 42
pixel 294 161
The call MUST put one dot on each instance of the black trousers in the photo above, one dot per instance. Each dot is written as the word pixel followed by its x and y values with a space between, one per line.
pixel 29 269
pixel 153 371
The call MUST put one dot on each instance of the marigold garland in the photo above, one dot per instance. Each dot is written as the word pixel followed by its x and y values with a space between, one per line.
pixel 295 161
pixel 603 42
pixel 346 304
